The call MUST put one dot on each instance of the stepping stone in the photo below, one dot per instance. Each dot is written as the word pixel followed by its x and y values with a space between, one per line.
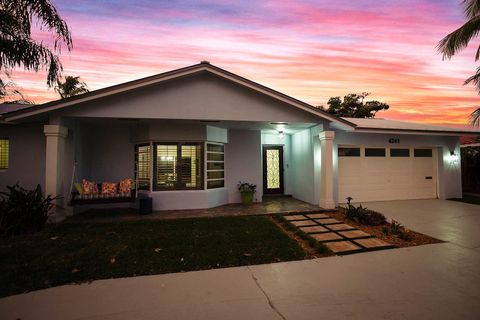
pixel 295 217
pixel 318 216
pixel 342 246
pixel 327 221
pixel 373 243
pixel 329 236
pixel 303 223
pixel 340 226
pixel 354 234
pixel 313 229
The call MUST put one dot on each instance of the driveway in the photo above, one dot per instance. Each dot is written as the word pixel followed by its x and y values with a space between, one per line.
pixel 452 221
pixel 439 281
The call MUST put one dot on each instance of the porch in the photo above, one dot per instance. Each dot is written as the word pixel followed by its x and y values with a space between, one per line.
pixel 191 164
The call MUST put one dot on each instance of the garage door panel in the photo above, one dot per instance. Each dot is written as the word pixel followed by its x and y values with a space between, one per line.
pixel 386 178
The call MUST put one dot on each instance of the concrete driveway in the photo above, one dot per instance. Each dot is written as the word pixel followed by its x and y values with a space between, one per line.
pixel 439 281
pixel 455 222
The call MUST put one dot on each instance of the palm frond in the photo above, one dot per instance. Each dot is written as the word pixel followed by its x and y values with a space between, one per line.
pixel 459 38
pixel 471 8
pixel 474 118
pixel 22 52
pixel 475 80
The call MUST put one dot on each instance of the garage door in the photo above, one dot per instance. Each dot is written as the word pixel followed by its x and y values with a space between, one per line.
pixel 376 174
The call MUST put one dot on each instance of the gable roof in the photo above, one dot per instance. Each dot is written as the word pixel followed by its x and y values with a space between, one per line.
pixel 204 66
pixel 385 125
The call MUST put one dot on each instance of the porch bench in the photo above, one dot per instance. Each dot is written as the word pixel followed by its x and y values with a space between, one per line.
pixel 77 199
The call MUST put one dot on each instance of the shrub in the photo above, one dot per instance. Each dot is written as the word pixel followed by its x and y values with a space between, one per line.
pixel 385 231
pixel 23 211
pixel 396 228
pixel 373 218
pixel 355 213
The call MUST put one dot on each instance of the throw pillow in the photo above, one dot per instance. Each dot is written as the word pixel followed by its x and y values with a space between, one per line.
pixel 125 185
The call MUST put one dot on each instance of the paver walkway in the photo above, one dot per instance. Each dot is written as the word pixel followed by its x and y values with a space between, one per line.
pixel 339 237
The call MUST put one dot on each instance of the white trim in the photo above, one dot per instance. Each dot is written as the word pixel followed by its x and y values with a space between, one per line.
pixel 416 132
pixel 470 145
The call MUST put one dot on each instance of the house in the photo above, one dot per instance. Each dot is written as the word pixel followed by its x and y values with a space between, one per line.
pixel 188 136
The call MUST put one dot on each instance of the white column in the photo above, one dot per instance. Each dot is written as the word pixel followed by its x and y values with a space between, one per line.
pixel 326 170
pixel 55 135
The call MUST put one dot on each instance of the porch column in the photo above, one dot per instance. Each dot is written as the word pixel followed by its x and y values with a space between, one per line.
pixel 326 170
pixel 55 135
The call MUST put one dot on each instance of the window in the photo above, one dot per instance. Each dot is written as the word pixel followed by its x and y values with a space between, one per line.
pixel 399 152
pixel 215 165
pixel 4 153
pixel 374 152
pixel 422 153
pixel 349 152
pixel 142 166
pixel 178 166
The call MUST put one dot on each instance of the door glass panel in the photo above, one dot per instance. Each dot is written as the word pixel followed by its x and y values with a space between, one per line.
pixel 399 152
pixel 374 152
pixel 349 152
pixel 273 169
pixel 422 153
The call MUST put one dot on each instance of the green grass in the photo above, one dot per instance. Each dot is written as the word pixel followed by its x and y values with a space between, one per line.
pixel 468 199
pixel 77 252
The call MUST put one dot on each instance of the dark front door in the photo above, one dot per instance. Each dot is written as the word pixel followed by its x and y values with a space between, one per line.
pixel 273 169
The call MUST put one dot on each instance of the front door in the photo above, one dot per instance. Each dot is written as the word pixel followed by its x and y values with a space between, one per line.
pixel 273 169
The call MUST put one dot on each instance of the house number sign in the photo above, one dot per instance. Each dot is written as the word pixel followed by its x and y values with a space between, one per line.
pixel 394 140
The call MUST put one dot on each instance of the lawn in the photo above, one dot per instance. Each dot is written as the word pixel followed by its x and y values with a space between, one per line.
pixel 468 199
pixel 78 252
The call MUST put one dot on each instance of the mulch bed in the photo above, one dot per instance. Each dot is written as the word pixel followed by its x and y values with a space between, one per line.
pixel 417 239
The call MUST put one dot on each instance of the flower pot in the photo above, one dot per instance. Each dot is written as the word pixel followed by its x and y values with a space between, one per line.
pixel 247 197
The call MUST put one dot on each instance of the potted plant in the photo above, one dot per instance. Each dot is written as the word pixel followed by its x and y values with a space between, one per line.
pixel 247 190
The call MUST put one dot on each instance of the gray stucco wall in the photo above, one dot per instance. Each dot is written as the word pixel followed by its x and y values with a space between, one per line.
pixel 202 96
pixel 27 155
pixel 243 157
pixel 303 179
pixel 107 153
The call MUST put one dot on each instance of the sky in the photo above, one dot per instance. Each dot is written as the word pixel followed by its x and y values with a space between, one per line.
pixel 311 50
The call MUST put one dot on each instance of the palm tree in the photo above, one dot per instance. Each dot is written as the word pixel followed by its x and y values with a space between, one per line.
pixel 18 49
pixel 10 94
pixel 459 39
pixel 72 86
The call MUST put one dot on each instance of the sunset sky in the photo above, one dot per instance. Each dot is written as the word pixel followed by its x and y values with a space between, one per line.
pixel 311 50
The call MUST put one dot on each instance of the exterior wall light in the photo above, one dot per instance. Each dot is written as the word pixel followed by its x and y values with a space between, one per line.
pixel 281 134
pixel 453 157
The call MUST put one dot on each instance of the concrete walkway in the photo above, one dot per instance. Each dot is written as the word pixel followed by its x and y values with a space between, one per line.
pixel 439 281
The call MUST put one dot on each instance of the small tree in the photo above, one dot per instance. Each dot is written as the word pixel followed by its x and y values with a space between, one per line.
pixel 355 106
pixel 70 87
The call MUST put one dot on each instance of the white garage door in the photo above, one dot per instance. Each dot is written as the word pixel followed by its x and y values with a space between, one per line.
pixel 376 174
